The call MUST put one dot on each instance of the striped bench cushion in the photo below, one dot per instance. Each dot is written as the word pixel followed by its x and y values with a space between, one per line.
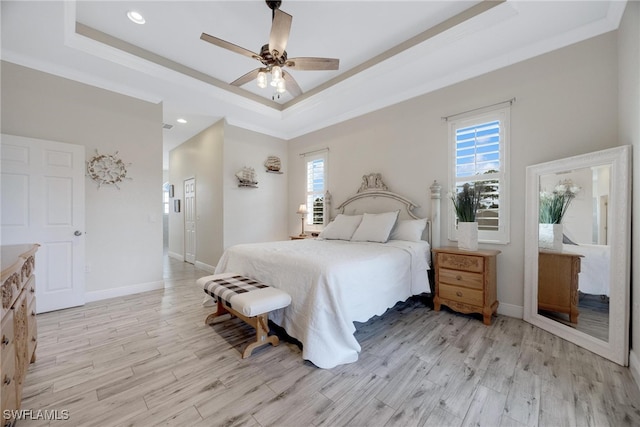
pixel 247 296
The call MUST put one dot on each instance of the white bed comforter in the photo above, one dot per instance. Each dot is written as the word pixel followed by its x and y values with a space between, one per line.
pixel 332 283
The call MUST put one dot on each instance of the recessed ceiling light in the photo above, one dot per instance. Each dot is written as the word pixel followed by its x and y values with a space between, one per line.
pixel 136 17
pixel 183 121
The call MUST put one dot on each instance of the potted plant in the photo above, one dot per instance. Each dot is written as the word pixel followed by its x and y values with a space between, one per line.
pixel 552 208
pixel 466 203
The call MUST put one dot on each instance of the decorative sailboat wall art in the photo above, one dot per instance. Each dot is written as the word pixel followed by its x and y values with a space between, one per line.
pixel 247 177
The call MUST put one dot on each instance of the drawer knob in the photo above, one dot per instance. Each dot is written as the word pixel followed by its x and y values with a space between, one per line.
pixel 458 293
pixel 7 380
pixel 5 340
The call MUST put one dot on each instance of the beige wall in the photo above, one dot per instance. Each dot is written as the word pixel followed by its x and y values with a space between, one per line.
pixel 254 214
pixel 227 214
pixel 123 227
pixel 566 105
pixel 629 100
pixel 201 158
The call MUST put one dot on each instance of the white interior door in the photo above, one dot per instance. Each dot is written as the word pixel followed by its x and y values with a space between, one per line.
pixel 190 220
pixel 43 202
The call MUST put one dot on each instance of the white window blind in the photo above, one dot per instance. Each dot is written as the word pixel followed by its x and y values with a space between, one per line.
pixel 316 188
pixel 479 146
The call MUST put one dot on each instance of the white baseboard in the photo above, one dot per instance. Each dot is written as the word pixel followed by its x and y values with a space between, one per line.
pixel 206 267
pixel 176 255
pixel 634 366
pixel 122 291
pixel 511 310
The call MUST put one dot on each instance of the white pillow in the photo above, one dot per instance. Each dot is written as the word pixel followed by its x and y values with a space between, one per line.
pixel 375 227
pixel 409 230
pixel 341 228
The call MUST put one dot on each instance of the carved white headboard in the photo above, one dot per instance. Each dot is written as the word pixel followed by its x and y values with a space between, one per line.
pixel 373 196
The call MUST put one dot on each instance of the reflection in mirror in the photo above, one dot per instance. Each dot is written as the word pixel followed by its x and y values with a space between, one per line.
pixel 573 273
pixel 577 256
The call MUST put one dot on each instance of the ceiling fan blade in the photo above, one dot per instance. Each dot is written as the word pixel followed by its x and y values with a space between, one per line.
pixel 313 63
pixel 291 85
pixel 280 28
pixel 251 75
pixel 229 46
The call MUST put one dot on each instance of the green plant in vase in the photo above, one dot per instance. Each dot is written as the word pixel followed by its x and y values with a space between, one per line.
pixel 552 208
pixel 554 205
pixel 467 201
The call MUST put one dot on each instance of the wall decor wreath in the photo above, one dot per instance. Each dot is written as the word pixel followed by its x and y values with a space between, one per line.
pixel 107 169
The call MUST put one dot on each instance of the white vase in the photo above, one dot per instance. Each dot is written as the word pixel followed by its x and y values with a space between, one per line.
pixel 550 237
pixel 468 236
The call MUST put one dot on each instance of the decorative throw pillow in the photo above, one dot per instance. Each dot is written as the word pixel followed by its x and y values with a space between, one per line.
pixel 341 228
pixel 409 230
pixel 375 227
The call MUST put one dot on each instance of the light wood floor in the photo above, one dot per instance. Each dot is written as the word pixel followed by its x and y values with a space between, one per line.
pixel 148 359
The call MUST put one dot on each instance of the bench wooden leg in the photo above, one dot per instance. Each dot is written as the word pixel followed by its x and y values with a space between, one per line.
pixel 260 323
pixel 220 311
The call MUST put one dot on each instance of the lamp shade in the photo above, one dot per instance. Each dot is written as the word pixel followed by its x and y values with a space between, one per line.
pixel 302 209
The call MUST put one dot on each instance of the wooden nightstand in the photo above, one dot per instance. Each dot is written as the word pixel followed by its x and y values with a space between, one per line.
pixel 308 236
pixel 558 283
pixel 466 281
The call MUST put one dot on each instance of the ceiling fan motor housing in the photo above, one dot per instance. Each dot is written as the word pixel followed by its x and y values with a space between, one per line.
pixel 269 60
pixel 273 5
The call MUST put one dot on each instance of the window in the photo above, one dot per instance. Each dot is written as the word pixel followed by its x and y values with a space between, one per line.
pixel 165 198
pixel 479 147
pixel 316 187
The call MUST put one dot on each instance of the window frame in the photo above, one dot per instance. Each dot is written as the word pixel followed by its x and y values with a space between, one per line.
pixel 503 115
pixel 322 155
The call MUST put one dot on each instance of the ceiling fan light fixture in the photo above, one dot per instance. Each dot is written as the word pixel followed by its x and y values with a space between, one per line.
pixel 276 75
pixel 262 80
pixel 136 17
pixel 281 87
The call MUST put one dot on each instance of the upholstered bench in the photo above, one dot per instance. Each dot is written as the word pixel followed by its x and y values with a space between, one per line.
pixel 246 299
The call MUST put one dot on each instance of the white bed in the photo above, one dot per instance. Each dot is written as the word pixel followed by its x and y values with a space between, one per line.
pixel 334 283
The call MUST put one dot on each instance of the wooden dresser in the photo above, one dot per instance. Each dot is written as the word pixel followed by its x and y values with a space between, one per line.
pixel 465 281
pixel 18 322
pixel 558 282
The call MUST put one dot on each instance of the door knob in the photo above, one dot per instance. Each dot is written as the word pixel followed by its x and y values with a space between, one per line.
pixel 77 233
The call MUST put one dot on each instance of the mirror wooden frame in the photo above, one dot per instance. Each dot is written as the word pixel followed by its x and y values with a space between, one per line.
pixel 617 346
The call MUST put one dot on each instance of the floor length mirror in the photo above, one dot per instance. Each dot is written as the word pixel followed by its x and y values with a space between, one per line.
pixel 577 274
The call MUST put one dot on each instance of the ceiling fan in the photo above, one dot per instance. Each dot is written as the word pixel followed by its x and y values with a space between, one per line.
pixel 273 56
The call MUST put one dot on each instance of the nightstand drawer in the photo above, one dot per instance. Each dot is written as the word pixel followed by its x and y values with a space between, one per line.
pixel 461 262
pixel 464 295
pixel 461 278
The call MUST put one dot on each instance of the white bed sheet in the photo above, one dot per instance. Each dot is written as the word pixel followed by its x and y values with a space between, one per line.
pixel 594 276
pixel 332 283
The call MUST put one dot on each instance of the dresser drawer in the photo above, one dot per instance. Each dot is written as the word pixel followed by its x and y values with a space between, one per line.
pixel 461 262
pixel 32 336
pixel 30 289
pixel 7 335
pixel 460 294
pixel 9 397
pixel 461 278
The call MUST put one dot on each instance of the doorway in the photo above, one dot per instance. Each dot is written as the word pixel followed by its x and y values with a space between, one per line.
pixel 190 220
